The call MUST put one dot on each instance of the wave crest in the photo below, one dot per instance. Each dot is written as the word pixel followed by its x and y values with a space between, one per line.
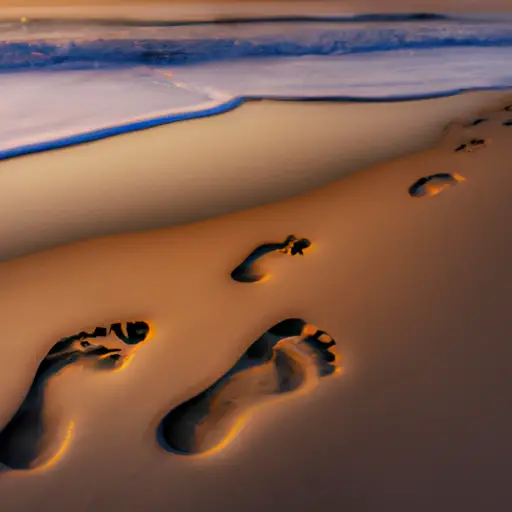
pixel 313 40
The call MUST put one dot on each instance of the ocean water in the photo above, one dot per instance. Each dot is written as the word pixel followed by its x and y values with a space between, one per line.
pixel 64 82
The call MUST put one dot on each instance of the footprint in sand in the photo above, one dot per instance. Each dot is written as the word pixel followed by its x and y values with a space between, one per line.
pixel 471 135
pixel 472 145
pixel 289 357
pixel 21 439
pixel 476 122
pixel 249 272
pixel 454 136
pixel 434 184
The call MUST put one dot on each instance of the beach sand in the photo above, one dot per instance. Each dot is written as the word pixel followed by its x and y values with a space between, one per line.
pixel 414 290
pixel 263 151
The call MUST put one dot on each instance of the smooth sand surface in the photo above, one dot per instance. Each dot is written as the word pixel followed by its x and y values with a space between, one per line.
pixel 416 291
pixel 261 152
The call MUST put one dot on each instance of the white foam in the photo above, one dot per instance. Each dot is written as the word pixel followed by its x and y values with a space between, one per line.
pixel 44 106
pixel 49 105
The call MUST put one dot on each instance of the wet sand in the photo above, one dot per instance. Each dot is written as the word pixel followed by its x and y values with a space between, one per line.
pixel 415 291
pixel 264 151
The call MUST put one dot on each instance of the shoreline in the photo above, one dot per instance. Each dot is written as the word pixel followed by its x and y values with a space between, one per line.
pixel 182 173
pixel 210 109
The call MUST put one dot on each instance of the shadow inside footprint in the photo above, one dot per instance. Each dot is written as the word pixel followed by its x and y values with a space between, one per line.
pixel 269 367
pixel 434 184
pixel 472 145
pixel 477 121
pixel 508 122
pixel 248 271
pixel 22 438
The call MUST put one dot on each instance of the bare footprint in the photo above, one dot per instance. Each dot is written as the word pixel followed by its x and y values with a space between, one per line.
pixel 289 356
pixel 21 441
pixel 249 272
pixel 472 145
pixel 434 184
pixel 462 137
pixel 473 134
pixel 476 122
pixel 459 137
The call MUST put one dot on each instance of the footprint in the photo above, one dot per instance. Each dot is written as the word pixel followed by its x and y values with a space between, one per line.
pixel 471 134
pixel 472 145
pixel 21 441
pixel 291 355
pixel 464 137
pixel 476 122
pixel 434 184
pixel 249 272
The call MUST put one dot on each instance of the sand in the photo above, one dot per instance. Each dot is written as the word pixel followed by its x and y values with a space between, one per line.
pixel 415 291
pixel 264 151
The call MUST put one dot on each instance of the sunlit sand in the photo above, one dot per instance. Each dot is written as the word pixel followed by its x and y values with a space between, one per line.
pixel 259 153
pixel 24 440
pixel 250 266
pixel 414 293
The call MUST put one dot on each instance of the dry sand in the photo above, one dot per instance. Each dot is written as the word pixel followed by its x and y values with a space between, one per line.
pixel 415 291
pixel 262 152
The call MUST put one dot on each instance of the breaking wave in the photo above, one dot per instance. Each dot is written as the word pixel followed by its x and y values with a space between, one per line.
pixel 115 45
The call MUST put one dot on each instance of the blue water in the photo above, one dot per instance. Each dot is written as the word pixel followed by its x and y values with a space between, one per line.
pixel 71 82
pixel 110 45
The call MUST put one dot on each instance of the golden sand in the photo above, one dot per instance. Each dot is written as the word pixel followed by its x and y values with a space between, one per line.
pixel 416 293
pixel 262 152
